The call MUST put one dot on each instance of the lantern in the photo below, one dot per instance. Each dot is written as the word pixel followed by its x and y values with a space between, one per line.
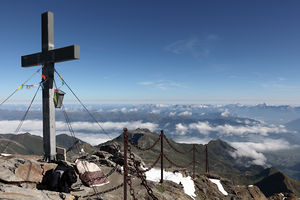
pixel 58 98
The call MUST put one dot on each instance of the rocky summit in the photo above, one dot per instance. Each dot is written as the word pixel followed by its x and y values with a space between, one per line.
pixel 22 177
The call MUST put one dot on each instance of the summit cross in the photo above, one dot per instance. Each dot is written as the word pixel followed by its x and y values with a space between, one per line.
pixel 47 58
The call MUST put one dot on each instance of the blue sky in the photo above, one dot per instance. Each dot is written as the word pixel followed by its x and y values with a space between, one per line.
pixel 160 51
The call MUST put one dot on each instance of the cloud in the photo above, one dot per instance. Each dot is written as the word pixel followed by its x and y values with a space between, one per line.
pixel 162 84
pixel 155 111
pixel 185 113
pixel 192 140
pixel 246 151
pixel 225 113
pixel 172 113
pixel 124 110
pixel 195 46
pixel 81 129
pixel 133 110
pixel 181 129
pixel 146 83
pixel 205 128
pixel 255 150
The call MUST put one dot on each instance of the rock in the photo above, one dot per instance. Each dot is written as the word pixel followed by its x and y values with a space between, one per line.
pixel 117 159
pixel 21 170
pixel 110 148
pixel 10 192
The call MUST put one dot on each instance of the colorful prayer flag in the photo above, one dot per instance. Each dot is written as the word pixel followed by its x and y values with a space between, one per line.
pixel 20 87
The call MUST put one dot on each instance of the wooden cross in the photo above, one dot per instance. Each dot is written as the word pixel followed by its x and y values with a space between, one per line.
pixel 47 58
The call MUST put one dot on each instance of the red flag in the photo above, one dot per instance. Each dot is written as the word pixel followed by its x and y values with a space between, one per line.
pixel 43 76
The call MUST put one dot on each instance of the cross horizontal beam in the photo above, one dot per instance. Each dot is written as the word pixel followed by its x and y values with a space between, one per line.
pixel 52 56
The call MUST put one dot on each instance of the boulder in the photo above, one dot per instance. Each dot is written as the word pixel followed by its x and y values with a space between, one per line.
pixel 11 192
pixel 22 170
pixel 110 148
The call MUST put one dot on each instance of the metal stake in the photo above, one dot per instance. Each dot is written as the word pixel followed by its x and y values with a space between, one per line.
pixel 162 156
pixel 125 140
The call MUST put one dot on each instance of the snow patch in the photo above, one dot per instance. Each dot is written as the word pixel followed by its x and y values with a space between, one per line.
pixel 220 186
pixel 187 182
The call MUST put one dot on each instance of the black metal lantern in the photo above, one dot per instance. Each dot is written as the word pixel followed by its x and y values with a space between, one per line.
pixel 58 98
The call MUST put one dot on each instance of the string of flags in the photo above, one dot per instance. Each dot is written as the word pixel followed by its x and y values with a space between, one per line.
pixel 44 78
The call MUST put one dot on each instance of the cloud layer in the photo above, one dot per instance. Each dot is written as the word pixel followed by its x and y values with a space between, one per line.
pixel 205 128
pixel 255 150
pixel 86 131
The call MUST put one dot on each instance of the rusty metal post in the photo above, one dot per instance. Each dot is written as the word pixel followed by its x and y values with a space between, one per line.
pixel 206 159
pixel 162 156
pixel 125 167
pixel 194 160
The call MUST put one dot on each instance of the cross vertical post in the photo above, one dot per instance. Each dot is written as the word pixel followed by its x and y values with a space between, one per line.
pixel 49 136
pixel 47 58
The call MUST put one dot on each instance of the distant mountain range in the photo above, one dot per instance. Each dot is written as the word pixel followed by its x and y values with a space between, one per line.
pixel 221 161
pixel 267 135
pixel 277 114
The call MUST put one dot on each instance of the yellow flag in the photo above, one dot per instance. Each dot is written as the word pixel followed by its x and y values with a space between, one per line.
pixel 20 87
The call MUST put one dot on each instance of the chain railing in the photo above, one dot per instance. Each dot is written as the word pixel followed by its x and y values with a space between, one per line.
pixel 130 171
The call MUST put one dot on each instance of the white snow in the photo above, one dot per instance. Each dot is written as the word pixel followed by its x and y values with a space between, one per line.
pixel 5 154
pixel 187 182
pixel 220 186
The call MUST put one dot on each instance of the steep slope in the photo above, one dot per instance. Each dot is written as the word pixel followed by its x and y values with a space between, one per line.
pixel 28 144
pixel 277 182
pixel 220 160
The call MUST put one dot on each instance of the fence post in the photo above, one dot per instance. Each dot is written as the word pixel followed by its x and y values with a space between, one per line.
pixel 162 156
pixel 194 160
pixel 125 167
pixel 206 159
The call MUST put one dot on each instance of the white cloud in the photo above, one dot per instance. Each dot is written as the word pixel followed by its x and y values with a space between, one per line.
pixel 225 113
pixel 124 110
pixel 195 46
pixel 185 113
pixel 163 85
pixel 181 129
pixel 155 111
pixel 172 113
pixel 246 151
pixel 162 105
pixel 192 140
pixel 203 127
pixel 146 83
pixel 83 130
pixel 255 150
pixel 229 130
pixel 133 110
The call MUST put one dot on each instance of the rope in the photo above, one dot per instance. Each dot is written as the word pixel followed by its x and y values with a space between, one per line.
pixel 180 166
pixel 181 152
pixel 83 105
pixel 18 88
pixel 23 118
pixel 144 149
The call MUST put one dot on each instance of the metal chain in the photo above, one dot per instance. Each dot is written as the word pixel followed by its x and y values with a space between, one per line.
pixel 153 165
pixel 199 163
pixel 106 191
pixel 131 190
pixel 144 149
pixel 106 175
pixel 140 174
pixel 181 152
pixel 185 166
